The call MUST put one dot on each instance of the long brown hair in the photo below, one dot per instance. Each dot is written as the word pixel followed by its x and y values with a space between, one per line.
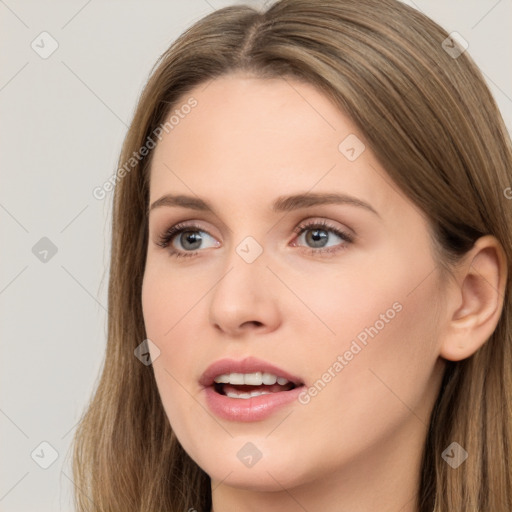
pixel 434 126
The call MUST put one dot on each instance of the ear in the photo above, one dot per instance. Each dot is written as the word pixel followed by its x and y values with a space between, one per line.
pixel 476 301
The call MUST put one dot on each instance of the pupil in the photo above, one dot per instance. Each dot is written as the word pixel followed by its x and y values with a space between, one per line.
pixel 315 235
pixel 192 237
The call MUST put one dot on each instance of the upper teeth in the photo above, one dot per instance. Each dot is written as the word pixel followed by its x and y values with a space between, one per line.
pixel 253 379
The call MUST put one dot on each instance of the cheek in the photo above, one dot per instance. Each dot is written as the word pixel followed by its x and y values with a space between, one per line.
pixel 162 310
pixel 166 312
pixel 381 319
pixel 169 305
pixel 339 303
pixel 382 358
pixel 167 297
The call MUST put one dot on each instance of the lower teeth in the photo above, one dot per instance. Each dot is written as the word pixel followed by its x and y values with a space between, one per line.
pixel 247 395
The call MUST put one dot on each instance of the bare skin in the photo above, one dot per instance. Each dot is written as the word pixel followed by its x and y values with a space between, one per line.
pixel 356 444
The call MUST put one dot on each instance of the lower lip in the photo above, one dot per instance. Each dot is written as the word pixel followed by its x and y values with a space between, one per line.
pixel 255 408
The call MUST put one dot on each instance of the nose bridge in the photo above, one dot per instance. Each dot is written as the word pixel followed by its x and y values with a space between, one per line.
pixel 245 272
pixel 243 294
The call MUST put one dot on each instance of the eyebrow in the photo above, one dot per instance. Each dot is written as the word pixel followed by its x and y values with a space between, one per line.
pixel 281 204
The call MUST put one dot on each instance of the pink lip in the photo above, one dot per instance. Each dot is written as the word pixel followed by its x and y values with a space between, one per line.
pixel 251 409
pixel 255 408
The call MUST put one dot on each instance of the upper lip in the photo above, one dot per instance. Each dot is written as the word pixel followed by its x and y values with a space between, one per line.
pixel 247 365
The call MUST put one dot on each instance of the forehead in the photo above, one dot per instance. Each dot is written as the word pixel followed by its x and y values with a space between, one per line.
pixel 260 138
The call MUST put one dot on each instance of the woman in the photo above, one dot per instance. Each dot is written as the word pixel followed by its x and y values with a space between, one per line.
pixel 310 275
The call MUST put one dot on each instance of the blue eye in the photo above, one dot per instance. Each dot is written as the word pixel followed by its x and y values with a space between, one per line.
pixel 187 235
pixel 319 237
pixel 191 238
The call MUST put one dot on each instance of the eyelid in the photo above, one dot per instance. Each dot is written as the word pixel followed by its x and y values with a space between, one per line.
pixel 325 224
pixel 167 236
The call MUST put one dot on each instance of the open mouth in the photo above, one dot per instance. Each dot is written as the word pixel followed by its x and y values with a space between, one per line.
pixel 248 378
pixel 249 390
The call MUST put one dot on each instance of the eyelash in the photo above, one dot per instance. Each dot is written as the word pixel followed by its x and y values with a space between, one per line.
pixel 166 238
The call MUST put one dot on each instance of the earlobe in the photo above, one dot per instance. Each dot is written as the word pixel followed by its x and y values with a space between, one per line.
pixel 477 303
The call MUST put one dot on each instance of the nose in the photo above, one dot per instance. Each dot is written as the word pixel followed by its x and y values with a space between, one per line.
pixel 245 298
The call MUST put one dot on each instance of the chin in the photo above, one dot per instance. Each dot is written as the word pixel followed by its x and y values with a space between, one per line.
pixel 264 476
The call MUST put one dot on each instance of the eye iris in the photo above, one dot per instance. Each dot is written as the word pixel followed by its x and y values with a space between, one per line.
pixel 192 237
pixel 317 237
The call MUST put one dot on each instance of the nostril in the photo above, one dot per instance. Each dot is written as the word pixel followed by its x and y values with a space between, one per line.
pixel 256 323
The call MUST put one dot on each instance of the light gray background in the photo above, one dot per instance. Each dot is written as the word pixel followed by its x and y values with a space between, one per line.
pixel 62 122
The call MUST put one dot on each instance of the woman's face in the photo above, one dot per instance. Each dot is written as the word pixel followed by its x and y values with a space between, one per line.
pixel 310 260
